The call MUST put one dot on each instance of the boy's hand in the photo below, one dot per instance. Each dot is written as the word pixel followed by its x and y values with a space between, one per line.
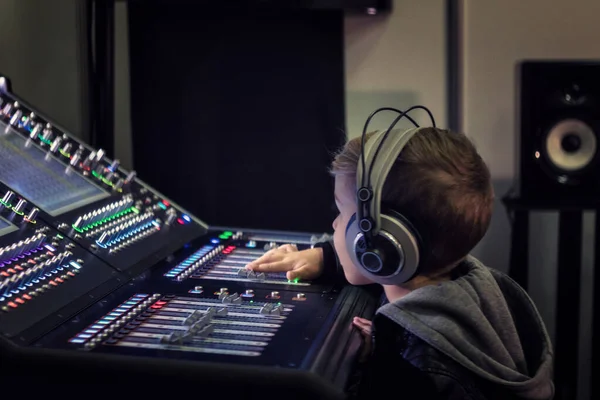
pixel 305 264
pixel 365 327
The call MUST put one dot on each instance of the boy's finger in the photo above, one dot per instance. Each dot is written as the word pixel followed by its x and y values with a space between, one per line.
pixel 276 266
pixel 267 257
pixel 299 273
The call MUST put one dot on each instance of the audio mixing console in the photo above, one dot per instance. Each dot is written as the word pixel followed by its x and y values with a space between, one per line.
pixel 101 273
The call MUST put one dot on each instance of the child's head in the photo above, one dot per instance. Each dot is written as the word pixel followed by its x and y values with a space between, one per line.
pixel 439 182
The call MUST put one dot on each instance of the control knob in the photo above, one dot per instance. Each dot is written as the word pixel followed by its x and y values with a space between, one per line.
pixel 66 148
pixel 99 155
pixel 170 218
pixel 130 177
pixel 8 196
pixel 55 144
pixel 47 135
pixel 15 118
pixel 89 160
pixel 249 292
pixel 75 159
pixel 104 238
pixel 7 109
pixel 20 206
pixel 114 165
pixel 33 213
pixel 35 131
pixel 118 185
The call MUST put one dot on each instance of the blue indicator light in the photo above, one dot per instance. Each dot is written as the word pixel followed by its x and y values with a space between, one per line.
pixel 77 341
pixel 215 241
pixel 186 218
pixel 84 336
pixel 75 265
pixel 47 246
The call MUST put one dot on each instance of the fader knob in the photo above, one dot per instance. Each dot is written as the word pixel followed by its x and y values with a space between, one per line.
pixel 8 196
pixel 274 295
pixel 20 206
pixel 300 295
pixel 249 292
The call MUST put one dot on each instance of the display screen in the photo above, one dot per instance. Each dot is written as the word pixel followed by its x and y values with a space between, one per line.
pixel 6 227
pixel 42 180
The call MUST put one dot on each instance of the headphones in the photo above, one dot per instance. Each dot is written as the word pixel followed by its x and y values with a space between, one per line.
pixel 382 242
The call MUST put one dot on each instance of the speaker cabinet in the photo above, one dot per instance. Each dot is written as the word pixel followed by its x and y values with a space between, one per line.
pixel 559 114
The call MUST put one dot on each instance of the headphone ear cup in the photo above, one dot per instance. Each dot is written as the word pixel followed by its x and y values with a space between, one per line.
pixel 353 240
pixel 394 257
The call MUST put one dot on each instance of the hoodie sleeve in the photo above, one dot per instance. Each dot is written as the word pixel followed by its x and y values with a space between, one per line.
pixel 332 271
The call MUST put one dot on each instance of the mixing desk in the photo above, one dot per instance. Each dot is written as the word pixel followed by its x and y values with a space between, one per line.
pixel 101 275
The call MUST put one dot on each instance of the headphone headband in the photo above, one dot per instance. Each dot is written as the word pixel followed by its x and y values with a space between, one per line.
pixel 379 159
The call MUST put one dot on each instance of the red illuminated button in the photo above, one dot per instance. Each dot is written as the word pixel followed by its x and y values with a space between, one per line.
pixel 4 273
pixel 53 283
pixel 11 304
pixel 59 280
pixel 27 297
pixel 166 203
pixel 160 303
pixel 156 307
pixel 19 300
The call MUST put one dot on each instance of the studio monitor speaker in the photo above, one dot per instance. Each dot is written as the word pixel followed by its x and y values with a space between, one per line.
pixel 559 139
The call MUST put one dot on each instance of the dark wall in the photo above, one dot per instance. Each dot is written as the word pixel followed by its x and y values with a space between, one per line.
pixel 236 113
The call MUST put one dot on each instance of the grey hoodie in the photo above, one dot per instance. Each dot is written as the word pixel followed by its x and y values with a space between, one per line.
pixel 487 323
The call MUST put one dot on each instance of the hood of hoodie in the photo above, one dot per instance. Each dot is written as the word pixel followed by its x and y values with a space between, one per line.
pixel 487 323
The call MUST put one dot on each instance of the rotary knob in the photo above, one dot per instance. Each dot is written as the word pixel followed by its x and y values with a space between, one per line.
pixel 114 165
pixel 8 196
pixel 47 134
pixel 20 206
pixel 56 144
pixel 33 213
pixel 35 131
pixel 14 120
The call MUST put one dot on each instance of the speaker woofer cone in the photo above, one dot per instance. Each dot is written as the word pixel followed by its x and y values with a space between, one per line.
pixel 571 146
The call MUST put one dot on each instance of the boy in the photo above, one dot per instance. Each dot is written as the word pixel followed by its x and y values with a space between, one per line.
pixel 457 330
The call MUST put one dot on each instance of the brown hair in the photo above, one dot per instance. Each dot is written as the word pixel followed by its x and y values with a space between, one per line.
pixel 442 186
